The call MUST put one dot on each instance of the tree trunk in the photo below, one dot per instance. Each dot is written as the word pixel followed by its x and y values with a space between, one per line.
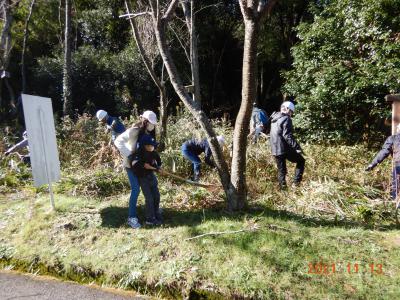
pixel 249 90
pixel 67 84
pixel 26 33
pixel 163 118
pixel 194 56
pixel 6 49
pixel 193 107
pixel 253 12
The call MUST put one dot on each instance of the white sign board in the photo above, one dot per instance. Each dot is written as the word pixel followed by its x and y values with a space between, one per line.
pixel 39 122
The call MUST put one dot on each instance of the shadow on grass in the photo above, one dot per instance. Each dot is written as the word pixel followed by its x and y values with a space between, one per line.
pixel 116 216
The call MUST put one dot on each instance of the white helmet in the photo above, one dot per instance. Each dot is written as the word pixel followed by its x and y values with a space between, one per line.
pixel 101 114
pixel 288 105
pixel 221 140
pixel 150 116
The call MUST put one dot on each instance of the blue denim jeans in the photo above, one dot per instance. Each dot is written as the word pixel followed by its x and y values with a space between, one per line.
pixel 149 186
pixel 395 182
pixel 195 159
pixel 135 190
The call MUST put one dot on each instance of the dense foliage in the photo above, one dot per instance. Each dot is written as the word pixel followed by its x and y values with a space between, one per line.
pixel 347 61
pixel 108 73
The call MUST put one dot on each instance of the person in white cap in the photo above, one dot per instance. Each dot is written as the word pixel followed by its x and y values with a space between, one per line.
pixel 193 148
pixel 113 123
pixel 126 143
pixel 283 144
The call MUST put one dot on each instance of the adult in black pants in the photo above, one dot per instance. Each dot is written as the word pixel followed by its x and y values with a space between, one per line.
pixel 284 146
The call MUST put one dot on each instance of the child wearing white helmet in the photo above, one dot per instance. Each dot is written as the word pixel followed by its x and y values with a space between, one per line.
pixel 113 123
pixel 126 143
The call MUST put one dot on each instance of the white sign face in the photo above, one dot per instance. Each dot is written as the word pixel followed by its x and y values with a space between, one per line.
pixel 39 122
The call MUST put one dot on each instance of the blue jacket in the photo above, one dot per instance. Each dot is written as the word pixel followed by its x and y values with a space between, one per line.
pixel 115 125
pixel 197 147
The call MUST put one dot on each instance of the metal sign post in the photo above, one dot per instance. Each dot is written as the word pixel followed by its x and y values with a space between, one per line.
pixel 42 142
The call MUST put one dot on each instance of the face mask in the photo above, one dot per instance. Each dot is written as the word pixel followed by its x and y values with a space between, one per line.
pixel 150 127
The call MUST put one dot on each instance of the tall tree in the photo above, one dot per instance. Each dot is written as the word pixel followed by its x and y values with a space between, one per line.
pixel 234 185
pixel 254 12
pixel 26 34
pixel 67 83
pixel 188 10
pixel 6 7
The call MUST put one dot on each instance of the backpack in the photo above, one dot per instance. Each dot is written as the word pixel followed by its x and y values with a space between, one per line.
pixel 262 116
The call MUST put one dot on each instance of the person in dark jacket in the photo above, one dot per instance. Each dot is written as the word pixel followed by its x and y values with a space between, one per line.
pixel 283 144
pixel 193 148
pixel 390 147
pixel 146 162
pixel 112 123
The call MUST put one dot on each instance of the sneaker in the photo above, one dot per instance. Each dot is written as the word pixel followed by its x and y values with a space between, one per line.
pixel 159 216
pixel 134 223
pixel 283 186
pixel 195 178
pixel 296 184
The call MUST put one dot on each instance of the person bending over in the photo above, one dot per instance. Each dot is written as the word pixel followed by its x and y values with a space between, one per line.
pixel 193 148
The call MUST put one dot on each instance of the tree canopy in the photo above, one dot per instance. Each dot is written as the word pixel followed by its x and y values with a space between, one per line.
pixel 347 60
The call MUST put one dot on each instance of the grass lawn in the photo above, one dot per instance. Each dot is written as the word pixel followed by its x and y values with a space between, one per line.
pixel 278 255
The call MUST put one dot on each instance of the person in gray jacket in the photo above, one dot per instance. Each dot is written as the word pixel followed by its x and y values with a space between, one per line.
pixel 283 144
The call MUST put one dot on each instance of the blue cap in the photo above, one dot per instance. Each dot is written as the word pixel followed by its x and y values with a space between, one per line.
pixel 147 139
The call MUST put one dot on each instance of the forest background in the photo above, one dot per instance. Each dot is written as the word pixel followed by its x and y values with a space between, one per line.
pixel 337 58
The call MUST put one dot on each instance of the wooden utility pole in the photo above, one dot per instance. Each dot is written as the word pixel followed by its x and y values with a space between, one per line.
pixel 394 99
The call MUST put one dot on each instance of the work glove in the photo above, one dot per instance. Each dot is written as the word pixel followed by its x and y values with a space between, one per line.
pixel 301 152
pixel 369 168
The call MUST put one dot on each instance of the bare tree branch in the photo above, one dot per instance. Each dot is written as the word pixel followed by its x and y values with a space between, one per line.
pixel 130 15
pixel 181 43
pixel 139 44
pixel 171 8
pixel 205 7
